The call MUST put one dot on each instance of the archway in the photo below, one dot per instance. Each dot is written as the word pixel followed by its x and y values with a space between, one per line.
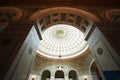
pixel 62 20
pixel 95 72
pixel 59 75
pixel 73 75
pixel 45 75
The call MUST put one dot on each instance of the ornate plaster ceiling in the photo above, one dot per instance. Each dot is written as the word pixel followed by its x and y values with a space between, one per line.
pixel 80 63
pixel 24 13
pixel 104 11
pixel 8 14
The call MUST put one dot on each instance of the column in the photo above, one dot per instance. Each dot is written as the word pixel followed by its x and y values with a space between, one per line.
pixel 52 77
pixel 40 77
pixel 105 55
pixel 20 41
pixel 66 77
pixel 80 78
pixel 94 77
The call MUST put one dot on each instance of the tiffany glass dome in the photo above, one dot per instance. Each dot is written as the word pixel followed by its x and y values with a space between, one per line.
pixel 64 40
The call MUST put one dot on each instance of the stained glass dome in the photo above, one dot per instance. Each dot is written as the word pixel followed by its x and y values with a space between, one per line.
pixel 62 39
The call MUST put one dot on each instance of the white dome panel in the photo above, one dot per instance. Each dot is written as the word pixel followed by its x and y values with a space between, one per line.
pixel 64 40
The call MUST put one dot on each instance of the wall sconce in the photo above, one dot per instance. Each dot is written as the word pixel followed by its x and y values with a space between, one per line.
pixel 33 77
pixel 85 77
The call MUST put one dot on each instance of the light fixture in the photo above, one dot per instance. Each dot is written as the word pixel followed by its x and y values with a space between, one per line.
pixel 85 77
pixel 60 67
pixel 33 77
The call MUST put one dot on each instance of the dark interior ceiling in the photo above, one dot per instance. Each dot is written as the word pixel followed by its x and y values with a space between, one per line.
pixel 98 3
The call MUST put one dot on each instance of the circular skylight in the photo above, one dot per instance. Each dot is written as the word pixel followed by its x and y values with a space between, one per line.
pixel 62 39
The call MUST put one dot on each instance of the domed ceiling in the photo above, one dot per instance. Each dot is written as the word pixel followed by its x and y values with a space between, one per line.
pixel 62 40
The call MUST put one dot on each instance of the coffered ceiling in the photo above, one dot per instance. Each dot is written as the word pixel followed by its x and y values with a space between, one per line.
pixel 25 13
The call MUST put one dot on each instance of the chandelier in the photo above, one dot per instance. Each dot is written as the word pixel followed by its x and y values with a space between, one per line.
pixel 60 67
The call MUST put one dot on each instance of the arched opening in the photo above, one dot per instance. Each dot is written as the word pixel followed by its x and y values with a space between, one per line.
pixel 59 75
pixel 55 26
pixel 95 72
pixel 45 75
pixel 72 75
